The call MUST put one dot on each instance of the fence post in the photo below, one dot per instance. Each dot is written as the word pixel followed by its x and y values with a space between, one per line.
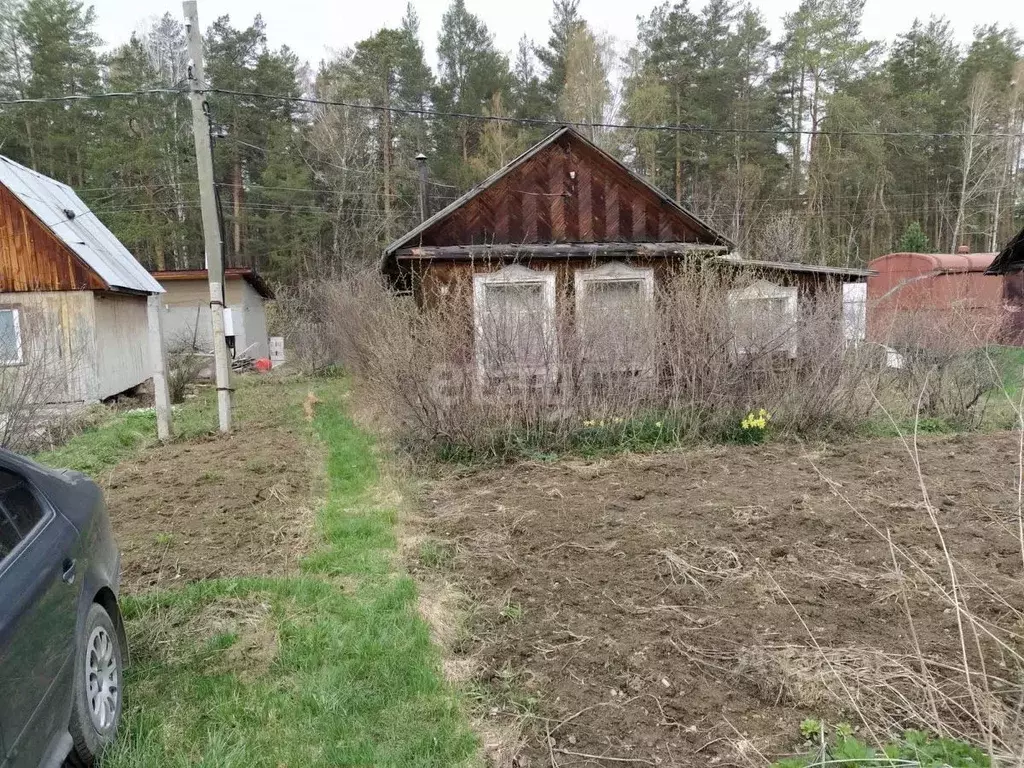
pixel 158 356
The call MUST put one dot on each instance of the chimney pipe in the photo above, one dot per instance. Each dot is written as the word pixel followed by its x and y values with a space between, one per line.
pixel 421 160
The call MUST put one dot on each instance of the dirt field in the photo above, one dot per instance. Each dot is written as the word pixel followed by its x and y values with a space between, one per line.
pixel 216 507
pixel 691 609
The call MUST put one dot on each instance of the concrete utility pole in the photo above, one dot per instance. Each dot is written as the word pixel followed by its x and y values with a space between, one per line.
pixel 158 354
pixel 208 201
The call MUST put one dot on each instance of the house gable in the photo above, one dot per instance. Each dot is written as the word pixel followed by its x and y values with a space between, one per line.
pixel 32 258
pixel 1010 259
pixel 563 190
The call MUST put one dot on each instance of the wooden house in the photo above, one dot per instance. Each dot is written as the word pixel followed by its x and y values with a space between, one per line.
pixel 567 231
pixel 564 206
pixel 1008 266
pixel 73 322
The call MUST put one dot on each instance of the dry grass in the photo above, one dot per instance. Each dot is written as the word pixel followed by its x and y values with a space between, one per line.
pixel 701 565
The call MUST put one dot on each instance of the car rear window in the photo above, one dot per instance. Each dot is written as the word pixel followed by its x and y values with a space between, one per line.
pixel 20 511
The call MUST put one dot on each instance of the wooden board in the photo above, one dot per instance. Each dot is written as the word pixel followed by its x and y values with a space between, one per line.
pixel 566 193
pixel 32 258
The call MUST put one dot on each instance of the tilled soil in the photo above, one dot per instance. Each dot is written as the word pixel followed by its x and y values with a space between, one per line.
pixel 223 506
pixel 691 609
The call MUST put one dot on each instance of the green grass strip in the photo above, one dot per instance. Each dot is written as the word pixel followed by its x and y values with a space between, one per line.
pixel 333 667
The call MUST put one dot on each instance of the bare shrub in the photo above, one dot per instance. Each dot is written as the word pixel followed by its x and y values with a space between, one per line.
pixel 784 237
pixel 535 373
pixel 299 314
pixel 185 364
pixel 942 370
pixel 632 372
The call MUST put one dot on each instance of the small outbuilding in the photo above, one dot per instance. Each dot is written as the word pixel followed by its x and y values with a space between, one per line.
pixel 935 297
pixel 73 322
pixel 186 310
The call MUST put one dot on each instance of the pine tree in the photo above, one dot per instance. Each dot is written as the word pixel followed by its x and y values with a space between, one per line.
pixel 13 80
pixel 565 22
pixel 470 73
pixel 60 60
pixel 132 185
pixel 914 240
pixel 239 60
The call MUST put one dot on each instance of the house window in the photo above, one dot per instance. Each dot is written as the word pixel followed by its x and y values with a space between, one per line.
pixel 10 337
pixel 613 315
pixel 764 318
pixel 855 321
pixel 514 314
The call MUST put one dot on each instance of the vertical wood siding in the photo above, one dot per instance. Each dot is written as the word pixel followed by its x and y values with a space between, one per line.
pixel 122 343
pixel 32 259
pixel 58 344
pixel 566 193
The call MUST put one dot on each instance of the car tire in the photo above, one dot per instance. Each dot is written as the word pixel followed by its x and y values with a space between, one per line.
pixel 98 693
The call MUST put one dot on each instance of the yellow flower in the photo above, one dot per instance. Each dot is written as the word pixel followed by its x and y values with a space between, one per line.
pixel 588 423
pixel 657 424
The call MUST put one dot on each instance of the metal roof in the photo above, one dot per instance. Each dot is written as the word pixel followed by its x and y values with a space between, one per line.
pixel 250 275
pixel 945 263
pixel 706 229
pixel 62 212
pixel 795 266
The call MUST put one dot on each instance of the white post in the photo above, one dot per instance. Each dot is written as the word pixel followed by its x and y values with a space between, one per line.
pixel 158 357
pixel 208 206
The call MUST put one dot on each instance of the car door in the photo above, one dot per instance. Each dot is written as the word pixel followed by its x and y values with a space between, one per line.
pixel 38 598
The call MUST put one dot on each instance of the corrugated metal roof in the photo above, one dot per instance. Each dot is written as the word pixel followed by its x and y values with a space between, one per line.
pixel 82 232
pixel 795 266
pixel 945 262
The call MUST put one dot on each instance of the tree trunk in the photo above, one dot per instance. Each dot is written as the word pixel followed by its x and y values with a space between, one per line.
pixel 159 258
pixel 679 153
pixel 31 143
pixel 797 139
pixel 968 160
pixel 236 199
pixel 387 154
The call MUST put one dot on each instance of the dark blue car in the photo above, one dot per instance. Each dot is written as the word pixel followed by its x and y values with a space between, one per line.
pixel 62 644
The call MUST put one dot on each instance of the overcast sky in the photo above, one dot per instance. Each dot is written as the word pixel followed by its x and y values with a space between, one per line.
pixel 313 28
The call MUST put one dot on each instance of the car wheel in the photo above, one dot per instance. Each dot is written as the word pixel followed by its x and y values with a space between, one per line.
pixel 97 688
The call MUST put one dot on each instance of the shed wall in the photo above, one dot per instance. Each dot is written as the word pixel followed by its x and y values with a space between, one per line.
pixel 907 298
pixel 58 345
pixel 122 343
pixel 254 318
pixel 187 314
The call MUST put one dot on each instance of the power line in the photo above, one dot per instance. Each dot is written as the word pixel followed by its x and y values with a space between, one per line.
pixel 433 114
pixel 91 96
